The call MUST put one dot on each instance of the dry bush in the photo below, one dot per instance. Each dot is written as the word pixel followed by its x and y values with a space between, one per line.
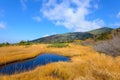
pixel 110 47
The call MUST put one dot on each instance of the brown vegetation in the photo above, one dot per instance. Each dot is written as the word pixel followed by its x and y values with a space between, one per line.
pixel 110 47
pixel 10 54
pixel 85 64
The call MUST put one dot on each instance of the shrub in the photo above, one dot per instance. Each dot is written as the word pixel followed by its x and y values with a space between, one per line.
pixel 58 45
pixel 88 42
pixel 24 43
pixel 110 47
pixel 4 44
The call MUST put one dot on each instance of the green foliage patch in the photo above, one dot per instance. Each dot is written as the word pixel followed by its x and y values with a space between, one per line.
pixel 24 43
pixel 4 44
pixel 58 45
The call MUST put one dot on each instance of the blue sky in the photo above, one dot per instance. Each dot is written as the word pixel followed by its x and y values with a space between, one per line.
pixel 31 19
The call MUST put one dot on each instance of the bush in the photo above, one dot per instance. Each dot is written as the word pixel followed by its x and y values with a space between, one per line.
pixel 24 43
pixel 110 47
pixel 88 42
pixel 58 45
pixel 4 44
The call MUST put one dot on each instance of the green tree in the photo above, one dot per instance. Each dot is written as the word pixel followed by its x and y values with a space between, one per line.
pixel 4 44
pixel 24 43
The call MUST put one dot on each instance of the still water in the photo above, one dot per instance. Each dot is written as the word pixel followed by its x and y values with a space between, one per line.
pixel 26 65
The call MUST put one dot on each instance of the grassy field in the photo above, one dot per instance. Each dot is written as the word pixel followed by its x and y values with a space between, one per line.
pixel 85 64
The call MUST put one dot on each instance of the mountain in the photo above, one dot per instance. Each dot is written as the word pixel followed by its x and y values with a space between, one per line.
pixel 102 33
pixel 69 37
pixel 101 30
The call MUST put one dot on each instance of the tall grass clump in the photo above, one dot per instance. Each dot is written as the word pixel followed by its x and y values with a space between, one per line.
pixel 58 45
pixel 110 47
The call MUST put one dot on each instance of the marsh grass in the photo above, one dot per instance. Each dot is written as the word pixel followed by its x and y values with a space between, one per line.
pixel 85 64
pixel 15 53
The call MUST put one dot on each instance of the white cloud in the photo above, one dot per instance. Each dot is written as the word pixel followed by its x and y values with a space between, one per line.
pixel 71 14
pixel 49 34
pixel 2 25
pixel 46 35
pixel 36 18
pixel 118 15
pixel 96 6
pixel 117 24
pixel 23 4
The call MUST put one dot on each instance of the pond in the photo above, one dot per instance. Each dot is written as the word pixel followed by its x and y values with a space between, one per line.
pixel 30 64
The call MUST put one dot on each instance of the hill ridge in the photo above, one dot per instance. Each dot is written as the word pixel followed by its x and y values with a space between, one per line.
pixel 71 36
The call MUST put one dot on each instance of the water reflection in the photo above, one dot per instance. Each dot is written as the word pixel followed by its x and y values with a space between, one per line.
pixel 32 63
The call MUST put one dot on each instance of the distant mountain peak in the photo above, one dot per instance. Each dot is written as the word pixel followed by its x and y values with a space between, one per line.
pixel 101 30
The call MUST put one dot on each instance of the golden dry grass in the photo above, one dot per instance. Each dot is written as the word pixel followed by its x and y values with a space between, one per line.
pixel 85 64
pixel 16 53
